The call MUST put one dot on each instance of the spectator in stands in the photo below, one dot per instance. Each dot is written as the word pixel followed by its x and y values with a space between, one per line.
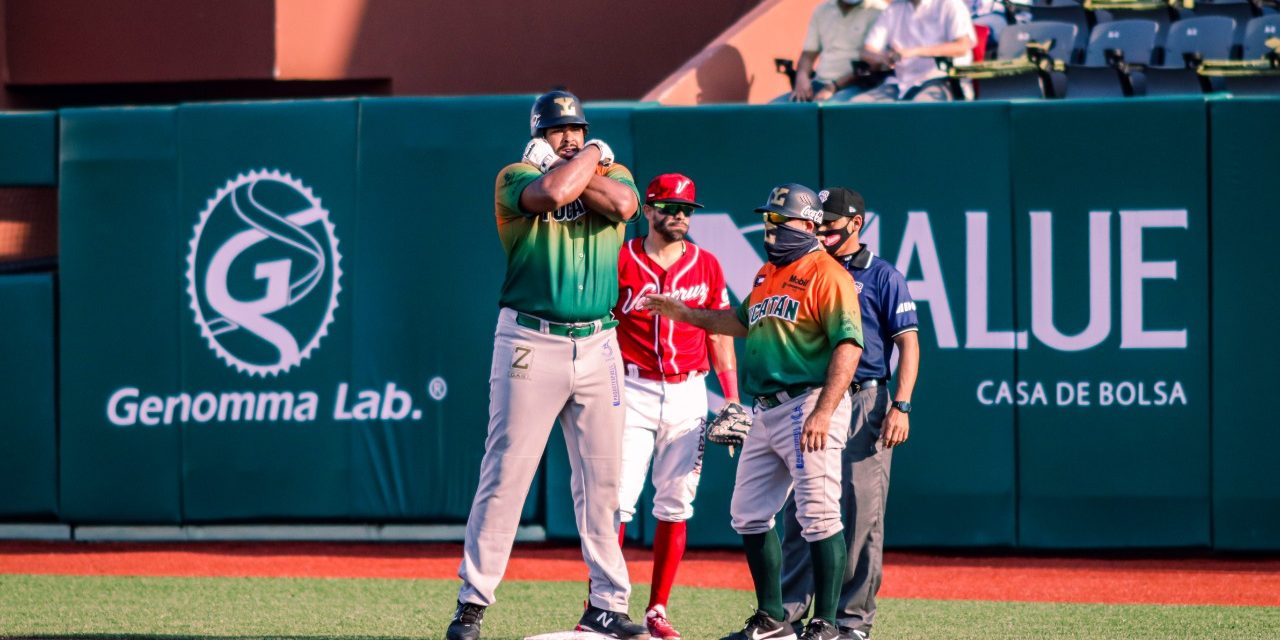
pixel 907 37
pixel 834 41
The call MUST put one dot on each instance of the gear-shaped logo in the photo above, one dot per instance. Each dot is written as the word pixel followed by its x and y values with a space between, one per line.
pixel 263 272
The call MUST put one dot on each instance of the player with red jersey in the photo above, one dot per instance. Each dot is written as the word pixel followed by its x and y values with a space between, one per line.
pixel 666 365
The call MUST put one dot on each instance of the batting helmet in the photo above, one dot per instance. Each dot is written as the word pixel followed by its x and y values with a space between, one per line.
pixel 794 201
pixel 554 109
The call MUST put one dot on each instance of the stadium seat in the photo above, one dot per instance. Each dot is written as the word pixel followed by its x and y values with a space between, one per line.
pixel 1136 39
pixel 1062 35
pixel 1242 11
pixel 1034 74
pixel 1209 37
pixel 1155 10
pixel 1068 12
pixel 1189 42
pixel 1259 72
pixel 1256 34
pixel 1112 46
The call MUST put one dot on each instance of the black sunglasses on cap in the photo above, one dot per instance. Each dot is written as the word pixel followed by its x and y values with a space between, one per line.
pixel 671 209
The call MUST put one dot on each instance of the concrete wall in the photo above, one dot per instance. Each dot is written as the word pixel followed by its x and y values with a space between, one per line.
pixel 78 52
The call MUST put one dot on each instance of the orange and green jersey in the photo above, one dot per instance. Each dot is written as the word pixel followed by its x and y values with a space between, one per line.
pixel 795 317
pixel 561 265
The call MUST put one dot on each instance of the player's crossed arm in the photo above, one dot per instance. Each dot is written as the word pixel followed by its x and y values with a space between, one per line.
pixel 612 195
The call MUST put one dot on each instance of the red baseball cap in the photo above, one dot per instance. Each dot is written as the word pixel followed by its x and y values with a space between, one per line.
pixel 671 187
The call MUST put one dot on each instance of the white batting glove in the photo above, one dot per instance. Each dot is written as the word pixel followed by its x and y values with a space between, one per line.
pixel 540 154
pixel 606 154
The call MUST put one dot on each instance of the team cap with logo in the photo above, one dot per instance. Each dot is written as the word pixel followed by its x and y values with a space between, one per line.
pixel 671 187
pixel 793 201
pixel 839 202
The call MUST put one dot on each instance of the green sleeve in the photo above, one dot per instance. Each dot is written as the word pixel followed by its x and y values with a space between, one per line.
pixel 623 175
pixel 511 183
pixel 742 311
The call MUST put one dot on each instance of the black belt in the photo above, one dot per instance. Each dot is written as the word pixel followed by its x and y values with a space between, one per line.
pixel 771 400
pixel 565 329
pixel 869 383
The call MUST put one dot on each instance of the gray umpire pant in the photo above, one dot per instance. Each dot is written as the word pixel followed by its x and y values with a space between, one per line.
pixel 535 379
pixel 866 489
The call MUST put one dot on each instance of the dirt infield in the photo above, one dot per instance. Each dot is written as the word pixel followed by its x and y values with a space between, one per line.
pixel 1211 581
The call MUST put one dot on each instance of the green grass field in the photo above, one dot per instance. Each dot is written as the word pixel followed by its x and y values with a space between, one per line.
pixel 101 607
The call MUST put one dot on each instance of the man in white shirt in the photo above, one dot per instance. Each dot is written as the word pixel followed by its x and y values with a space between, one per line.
pixel 834 40
pixel 907 37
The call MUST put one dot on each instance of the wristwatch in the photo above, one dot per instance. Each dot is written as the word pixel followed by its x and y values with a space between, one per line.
pixel 902 405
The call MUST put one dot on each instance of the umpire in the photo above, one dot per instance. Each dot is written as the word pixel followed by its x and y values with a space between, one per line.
pixel 888 321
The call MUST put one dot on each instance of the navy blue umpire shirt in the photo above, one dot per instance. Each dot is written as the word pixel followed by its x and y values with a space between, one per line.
pixel 887 310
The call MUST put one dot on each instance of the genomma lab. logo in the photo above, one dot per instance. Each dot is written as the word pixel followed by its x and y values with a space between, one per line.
pixel 262 272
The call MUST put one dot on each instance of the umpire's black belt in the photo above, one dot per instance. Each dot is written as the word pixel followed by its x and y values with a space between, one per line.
pixel 565 329
pixel 869 383
pixel 771 400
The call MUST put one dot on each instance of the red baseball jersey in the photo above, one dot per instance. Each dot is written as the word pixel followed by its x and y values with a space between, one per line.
pixel 658 345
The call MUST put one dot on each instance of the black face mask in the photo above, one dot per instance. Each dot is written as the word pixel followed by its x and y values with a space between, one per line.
pixel 788 245
pixel 842 235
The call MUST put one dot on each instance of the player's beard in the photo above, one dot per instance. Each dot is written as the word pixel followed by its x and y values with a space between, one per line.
pixel 671 234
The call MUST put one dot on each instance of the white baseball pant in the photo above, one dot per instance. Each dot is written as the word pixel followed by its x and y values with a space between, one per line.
pixel 536 378
pixel 664 424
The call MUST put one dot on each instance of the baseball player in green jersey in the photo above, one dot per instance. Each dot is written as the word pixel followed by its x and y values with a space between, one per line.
pixel 561 214
pixel 804 338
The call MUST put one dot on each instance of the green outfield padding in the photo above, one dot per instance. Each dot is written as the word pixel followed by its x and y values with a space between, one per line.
pixel 29 149
pixel 202 246
pixel 1246 231
pixel 918 169
pixel 121 311
pixel 251 469
pixel 1116 188
pixel 29 438
pixel 426 284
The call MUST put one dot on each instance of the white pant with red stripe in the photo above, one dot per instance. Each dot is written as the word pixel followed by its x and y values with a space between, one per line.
pixel 665 423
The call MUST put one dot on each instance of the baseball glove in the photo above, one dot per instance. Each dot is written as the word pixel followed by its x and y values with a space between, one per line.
pixel 730 426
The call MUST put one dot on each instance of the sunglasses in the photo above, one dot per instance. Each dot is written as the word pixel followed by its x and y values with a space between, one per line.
pixel 775 218
pixel 671 209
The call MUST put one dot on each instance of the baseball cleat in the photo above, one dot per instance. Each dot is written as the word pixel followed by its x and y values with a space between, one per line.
pixel 854 634
pixel 466 622
pixel 763 627
pixel 612 624
pixel 659 626
pixel 820 629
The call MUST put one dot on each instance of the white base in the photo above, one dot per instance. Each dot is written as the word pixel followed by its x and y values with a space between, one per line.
pixel 571 635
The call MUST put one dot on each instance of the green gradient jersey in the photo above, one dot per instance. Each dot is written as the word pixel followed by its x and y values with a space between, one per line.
pixel 562 265
pixel 795 317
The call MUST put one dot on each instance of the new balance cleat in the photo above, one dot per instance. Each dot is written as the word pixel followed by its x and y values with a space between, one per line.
pixel 466 622
pixel 612 624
